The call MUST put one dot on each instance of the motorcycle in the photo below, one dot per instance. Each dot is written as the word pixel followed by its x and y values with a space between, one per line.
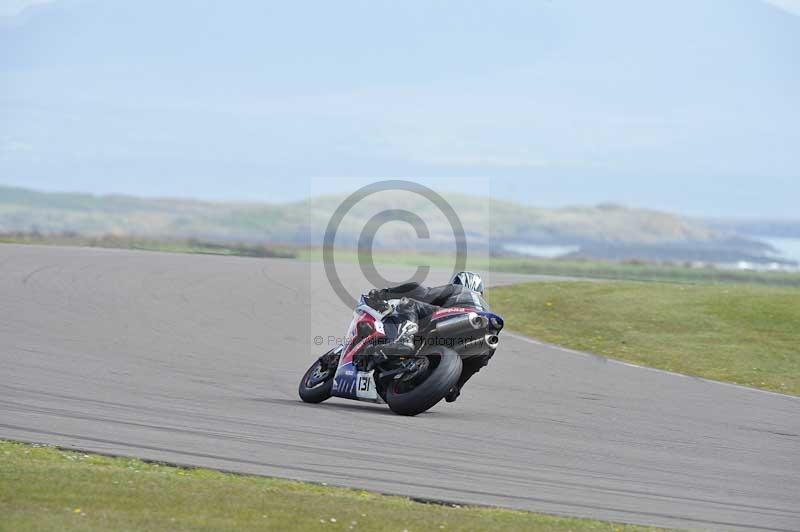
pixel 358 369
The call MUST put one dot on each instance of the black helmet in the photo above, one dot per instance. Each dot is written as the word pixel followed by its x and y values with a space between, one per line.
pixel 471 280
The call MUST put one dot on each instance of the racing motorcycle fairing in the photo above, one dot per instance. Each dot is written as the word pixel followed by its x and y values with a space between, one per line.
pixel 365 329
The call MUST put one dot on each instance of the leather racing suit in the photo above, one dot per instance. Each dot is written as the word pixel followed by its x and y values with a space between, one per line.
pixel 423 302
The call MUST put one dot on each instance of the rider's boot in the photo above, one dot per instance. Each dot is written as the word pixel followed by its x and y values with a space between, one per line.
pixel 471 367
pixel 407 328
pixel 403 344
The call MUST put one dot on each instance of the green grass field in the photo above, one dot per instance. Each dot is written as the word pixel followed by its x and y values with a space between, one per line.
pixel 43 488
pixel 175 245
pixel 738 333
pixel 671 273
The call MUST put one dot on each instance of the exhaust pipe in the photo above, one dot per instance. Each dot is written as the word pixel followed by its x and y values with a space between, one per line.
pixel 479 322
pixel 492 340
pixel 463 323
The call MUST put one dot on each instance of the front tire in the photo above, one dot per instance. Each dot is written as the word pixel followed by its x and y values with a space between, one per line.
pixel 316 384
pixel 442 377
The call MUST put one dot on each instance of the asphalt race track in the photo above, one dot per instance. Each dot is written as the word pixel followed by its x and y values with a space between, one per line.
pixel 196 359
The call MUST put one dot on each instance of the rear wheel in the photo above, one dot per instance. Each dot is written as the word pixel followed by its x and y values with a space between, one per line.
pixel 316 384
pixel 414 396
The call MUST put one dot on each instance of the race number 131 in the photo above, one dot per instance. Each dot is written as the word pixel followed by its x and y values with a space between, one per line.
pixel 365 386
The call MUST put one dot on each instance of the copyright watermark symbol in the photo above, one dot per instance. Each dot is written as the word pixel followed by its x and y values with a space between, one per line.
pixel 366 240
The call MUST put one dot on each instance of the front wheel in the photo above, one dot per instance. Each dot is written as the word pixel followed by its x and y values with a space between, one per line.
pixel 409 398
pixel 316 384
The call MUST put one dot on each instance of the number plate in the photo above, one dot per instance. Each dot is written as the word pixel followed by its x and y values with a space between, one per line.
pixel 365 386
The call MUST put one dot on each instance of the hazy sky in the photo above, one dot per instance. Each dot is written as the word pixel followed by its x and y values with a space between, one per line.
pixel 686 105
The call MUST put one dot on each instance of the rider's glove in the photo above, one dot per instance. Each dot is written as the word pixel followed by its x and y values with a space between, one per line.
pixel 375 300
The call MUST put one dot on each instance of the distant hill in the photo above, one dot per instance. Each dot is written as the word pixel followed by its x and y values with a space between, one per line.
pixel 605 231
pixel 766 227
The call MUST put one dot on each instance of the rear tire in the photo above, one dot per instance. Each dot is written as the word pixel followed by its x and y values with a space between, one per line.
pixel 430 391
pixel 311 392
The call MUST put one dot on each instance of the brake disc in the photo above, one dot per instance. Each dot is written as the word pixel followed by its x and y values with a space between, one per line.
pixel 417 367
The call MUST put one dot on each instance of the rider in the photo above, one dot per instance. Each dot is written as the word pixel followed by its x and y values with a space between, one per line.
pixel 418 303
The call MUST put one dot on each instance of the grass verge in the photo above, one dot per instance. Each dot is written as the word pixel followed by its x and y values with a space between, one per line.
pixel 744 334
pixel 594 269
pixel 170 245
pixel 44 488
